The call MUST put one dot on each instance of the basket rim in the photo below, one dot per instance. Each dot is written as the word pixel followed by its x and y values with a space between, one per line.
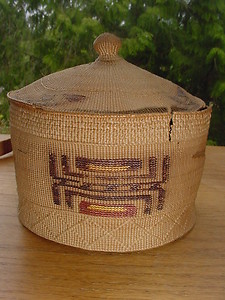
pixel 109 114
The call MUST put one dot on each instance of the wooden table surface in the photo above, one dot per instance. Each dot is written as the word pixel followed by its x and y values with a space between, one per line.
pixel 190 268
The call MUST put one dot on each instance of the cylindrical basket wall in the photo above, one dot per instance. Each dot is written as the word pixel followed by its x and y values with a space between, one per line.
pixel 108 181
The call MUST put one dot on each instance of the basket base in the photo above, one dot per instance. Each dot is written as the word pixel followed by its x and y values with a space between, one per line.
pixel 108 235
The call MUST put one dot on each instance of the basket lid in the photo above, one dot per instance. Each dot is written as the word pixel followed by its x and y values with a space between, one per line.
pixel 108 85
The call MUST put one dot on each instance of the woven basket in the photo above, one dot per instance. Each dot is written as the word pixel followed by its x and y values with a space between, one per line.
pixel 108 156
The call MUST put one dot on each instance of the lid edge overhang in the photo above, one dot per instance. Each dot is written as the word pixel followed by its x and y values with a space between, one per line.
pixel 107 114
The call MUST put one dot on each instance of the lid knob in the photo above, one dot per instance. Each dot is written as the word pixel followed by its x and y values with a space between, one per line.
pixel 107 46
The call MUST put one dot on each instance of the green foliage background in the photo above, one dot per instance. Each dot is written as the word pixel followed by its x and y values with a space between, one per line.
pixel 182 40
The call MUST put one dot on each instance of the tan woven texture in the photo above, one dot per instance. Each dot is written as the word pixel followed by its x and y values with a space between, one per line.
pixel 110 84
pixel 92 175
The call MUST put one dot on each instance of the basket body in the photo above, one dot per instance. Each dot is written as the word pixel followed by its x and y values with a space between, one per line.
pixel 108 182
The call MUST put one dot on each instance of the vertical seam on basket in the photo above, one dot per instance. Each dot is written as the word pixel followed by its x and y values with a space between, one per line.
pixel 170 127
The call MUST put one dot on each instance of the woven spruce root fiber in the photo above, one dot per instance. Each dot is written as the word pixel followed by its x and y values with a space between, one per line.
pixel 108 156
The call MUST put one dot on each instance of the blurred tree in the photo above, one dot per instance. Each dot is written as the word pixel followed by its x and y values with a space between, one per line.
pixel 14 59
pixel 198 58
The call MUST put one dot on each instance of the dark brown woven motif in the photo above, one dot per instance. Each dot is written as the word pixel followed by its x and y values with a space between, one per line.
pixel 74 187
